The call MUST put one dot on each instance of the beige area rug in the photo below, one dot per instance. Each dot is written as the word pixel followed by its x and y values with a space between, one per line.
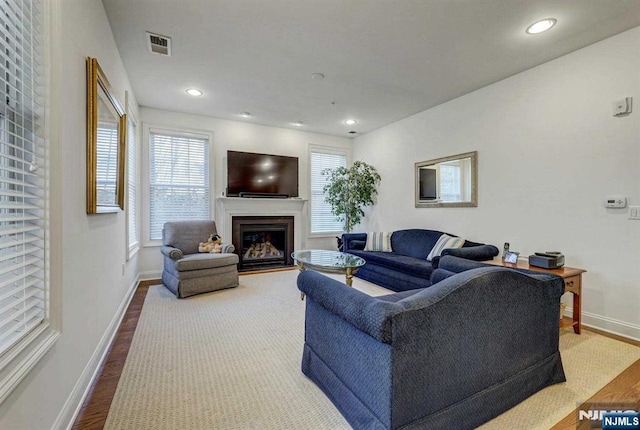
pixel 231 360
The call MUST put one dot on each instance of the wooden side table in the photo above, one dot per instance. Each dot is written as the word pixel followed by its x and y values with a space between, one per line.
pixel 572 284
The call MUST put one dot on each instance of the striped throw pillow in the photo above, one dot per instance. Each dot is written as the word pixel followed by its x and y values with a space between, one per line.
pixel 445 241
pixel 378 241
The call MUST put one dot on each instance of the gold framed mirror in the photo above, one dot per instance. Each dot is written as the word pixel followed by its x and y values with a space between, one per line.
pixel 447 182
pixel 106 144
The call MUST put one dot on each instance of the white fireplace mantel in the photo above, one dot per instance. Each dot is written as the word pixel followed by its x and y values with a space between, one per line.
pixel 228 207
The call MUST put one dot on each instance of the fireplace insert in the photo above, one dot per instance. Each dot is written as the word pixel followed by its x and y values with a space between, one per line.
pixel 263 241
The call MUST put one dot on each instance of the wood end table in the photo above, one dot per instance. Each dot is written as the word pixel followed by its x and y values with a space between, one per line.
pixel 572 284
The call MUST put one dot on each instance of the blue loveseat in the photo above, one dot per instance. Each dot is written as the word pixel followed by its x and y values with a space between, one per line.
pixel 454 355
pixel 406 267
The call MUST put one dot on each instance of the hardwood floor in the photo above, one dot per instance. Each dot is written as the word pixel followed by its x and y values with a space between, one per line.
pixel 624 387
pixel 93 413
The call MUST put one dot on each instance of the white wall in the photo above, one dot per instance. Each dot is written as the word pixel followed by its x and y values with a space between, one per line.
pixel 549 152
pixel 240 136
pixel 89 250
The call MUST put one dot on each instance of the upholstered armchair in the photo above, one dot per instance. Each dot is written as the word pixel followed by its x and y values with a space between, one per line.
pixel 187 271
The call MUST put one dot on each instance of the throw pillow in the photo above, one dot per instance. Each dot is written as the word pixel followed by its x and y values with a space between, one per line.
pixel 445 241
pixel 378 241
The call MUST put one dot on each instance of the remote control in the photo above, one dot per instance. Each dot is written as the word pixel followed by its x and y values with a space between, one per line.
pixel 548 254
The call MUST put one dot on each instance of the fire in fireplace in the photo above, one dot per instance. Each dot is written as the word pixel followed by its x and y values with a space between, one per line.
pixel 262 241
pixel 263 245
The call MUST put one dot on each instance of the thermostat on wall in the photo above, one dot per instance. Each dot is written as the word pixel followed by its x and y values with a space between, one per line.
pixel 615 202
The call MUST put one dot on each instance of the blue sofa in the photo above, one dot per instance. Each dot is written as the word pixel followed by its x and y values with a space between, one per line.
pixel 407 268
pixel 454 355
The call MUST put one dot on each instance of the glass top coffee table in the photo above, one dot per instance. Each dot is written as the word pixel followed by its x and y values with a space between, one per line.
pixel 328 261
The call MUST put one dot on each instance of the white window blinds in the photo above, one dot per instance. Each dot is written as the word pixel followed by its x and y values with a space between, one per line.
pixel 322 220
pixel 132 174
pixel 179 179
pixel 23 288
pixel 107 165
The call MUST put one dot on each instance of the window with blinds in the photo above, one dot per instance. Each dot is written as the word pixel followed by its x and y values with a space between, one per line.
pixel 322 219
pixel 107 165
pixel 132 173
pixel 23 204
pixel 178 179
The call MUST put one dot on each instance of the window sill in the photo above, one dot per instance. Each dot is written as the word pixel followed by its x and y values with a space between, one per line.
pixel 152 244
pixel 21 359
pixel 325 235
pixel 133 250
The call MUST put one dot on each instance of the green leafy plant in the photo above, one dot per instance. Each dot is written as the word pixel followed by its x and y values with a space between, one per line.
pixel 348 190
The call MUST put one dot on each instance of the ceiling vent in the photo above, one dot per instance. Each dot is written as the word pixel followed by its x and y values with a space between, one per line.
pixel 159 44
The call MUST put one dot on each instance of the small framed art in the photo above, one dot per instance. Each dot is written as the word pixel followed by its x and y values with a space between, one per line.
pixel 510 257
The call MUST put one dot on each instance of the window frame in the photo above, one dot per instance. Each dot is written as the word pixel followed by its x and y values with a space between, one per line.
pixel 147 129
pixel 132 248
pixel 325 150
pixel 18 361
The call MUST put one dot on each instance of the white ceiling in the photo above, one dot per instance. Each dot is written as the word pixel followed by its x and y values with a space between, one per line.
pixel 383 60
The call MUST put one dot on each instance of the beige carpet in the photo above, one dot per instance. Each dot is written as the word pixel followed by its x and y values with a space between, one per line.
pixel 231 360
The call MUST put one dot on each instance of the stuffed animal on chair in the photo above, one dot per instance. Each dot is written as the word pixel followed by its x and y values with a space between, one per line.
pixel 213 245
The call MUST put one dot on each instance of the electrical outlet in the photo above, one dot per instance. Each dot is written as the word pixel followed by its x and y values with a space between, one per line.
pixel 634 212
pixel 122 269
pixel 623 107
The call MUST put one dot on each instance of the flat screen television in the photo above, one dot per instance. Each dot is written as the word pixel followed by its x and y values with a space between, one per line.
pixel 428 184
pixel 261 175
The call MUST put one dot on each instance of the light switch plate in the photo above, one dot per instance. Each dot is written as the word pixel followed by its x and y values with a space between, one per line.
pixel 634 212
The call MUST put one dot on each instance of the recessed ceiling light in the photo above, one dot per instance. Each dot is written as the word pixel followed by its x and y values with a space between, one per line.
pixel 245 114
pixel 317 76
pixel 194 92
pixel 350 121
pixel 298 123
pixel 541 26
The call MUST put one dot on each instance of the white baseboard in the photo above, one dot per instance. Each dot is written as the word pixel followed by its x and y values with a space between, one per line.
pixel 154 274
pixel 72 406
pixel 610 325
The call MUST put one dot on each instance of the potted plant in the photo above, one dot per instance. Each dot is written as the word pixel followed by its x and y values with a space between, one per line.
pixel 348 190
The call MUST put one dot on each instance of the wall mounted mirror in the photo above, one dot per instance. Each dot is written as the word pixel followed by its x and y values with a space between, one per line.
pixel 106 141
pixel 447 182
